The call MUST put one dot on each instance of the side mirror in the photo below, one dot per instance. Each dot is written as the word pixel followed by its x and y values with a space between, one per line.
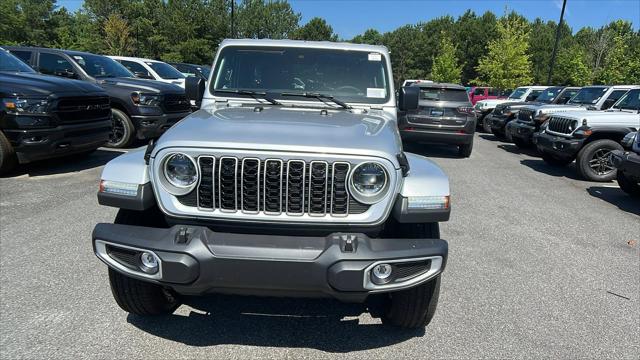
pixel 194 89
pixel 531 98
pixel 408 98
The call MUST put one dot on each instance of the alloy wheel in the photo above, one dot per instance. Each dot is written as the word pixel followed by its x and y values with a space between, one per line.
pixel 600 163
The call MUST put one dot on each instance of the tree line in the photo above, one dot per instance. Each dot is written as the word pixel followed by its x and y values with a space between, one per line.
pixel 501 51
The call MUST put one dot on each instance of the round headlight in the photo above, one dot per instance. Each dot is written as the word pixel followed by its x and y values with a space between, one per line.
pixel 180 171
pixel 368 182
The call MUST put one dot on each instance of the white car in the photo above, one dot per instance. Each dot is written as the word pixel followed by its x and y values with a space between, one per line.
pixel 152 69
pixel 411 82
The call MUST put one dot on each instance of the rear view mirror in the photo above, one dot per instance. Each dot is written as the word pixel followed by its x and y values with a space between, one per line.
pixel 194 89
pixel 408 98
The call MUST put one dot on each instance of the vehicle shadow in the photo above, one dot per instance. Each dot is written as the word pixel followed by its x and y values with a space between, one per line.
pixel 279 322
pixel 432 150
pixel 489 137
pixel 72 163
pixel 617 197
pixel 568 171
pixel 531 151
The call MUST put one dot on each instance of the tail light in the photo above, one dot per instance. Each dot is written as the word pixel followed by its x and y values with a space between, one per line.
pixel 465 109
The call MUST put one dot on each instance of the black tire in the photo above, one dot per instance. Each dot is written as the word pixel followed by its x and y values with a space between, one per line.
pixel 507 134
pixel 552 160
pixel 140 297
pixel 628 185
pixel 464 150
pixel 521 144
pixel 594 162
pixel 122 130
pixel 8 159
pixel 486 126
pixel 413 308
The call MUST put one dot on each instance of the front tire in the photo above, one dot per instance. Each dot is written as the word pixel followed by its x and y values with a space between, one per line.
pixel 140 297
pixel 486 126
pixel 122 130
pixel 594 161
pixel 628 185
pixel 8 159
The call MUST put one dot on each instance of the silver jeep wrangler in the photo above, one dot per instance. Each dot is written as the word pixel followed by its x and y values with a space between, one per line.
pixel 289 181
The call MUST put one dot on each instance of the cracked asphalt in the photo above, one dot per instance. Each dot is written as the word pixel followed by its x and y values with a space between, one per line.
pixel 541 265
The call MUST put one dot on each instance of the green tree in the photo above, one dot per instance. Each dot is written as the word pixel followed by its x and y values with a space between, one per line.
pixel 445 64
pixel 571 67
pixel 471 34
pixel 273 20
pixel 615 69
pixel 316 29
pixel 506 64
pixel 402 43
pixel 371 36
pixel 117 35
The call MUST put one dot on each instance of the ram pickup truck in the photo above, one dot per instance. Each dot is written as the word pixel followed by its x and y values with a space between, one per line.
pixel 290 180
pixel 589 137
pixel 531 117
pixel 485 107
pixel 141 109
pixel 628 164
pixel 504 114
pixel 43 117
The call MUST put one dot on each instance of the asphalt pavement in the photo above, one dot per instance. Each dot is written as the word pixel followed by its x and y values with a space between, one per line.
pixel 541 265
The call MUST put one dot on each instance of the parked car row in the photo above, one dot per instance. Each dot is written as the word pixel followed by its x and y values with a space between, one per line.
pixel 139 98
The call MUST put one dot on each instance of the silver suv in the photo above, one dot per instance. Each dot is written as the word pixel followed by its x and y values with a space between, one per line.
pixel 290 181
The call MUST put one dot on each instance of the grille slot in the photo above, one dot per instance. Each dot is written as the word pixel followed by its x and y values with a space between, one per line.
pixel 126 257
pixel 562 125
pixel 273 187
pixel 525 116
pixel 339 194
pixel 83 109
pixel 173 103
pixel 404 271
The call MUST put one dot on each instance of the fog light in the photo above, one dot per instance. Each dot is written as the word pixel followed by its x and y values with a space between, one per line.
pixel 149 263
pixel 381 274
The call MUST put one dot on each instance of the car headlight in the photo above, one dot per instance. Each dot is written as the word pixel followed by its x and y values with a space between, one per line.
pixel 142 99
pixel 369 182
pixel 20 106
pixel 180 173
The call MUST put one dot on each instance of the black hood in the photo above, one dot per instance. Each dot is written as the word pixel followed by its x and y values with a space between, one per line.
pixel 142 85
pixel 34 84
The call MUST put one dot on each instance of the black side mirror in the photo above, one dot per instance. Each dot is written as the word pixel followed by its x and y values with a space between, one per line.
pixel 194 89
pixel 531 97
pixel 408 98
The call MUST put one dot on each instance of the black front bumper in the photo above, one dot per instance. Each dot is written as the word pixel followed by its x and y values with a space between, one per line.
pixel 152 126
pixel 39 144
pixel 558 146
pixel 521 131
pixel 214 262
pixel 627 162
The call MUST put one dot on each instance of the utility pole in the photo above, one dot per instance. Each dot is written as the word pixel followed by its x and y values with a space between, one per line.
pixel 555 46
pixel 233 30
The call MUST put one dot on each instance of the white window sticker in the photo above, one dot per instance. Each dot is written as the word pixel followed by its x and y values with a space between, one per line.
pixel 379 93
pixel 375 57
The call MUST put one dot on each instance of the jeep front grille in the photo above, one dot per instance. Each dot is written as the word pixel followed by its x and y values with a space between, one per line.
pixel 562 125
pixel 273 187
pixel 526 116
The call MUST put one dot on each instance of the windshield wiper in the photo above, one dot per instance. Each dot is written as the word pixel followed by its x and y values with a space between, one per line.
pixel 319 97
pixel 251 93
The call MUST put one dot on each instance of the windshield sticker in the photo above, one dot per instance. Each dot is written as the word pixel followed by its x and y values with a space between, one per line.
pixel 375 57
pixel 379 93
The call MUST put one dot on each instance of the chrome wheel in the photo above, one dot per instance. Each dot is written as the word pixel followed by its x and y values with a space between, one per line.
pixel 600 163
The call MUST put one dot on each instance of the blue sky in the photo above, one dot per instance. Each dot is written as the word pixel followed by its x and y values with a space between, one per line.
pixel 352 17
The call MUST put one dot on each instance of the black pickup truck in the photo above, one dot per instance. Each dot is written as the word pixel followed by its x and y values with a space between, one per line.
pixel 42 117
pixel 142 109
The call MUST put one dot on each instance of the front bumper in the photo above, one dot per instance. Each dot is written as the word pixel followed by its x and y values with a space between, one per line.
pixel 39 144
pixel 561 147
pixel 152 126
pixel 456 137
pixel 498 123
pixel 627 162
pixel 521 131
pixel 214 262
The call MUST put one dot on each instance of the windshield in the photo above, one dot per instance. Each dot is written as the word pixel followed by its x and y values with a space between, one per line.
pixel 11 63
pixel 205 70
pixel 165 71
pixel 629 101
pixel 518 93
pixel 547 95
pixel 350 76
pixel 589 95
pixel 436 94
pixel 99 66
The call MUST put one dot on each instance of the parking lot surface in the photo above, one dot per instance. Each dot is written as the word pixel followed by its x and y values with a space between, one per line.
pixel 541 264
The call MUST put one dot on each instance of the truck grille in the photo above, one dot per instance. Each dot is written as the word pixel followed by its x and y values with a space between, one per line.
pixel 273 187
pixel 526 116
pixel 174 103
pixel 72 110
pixel 562 125
pixel 499 110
